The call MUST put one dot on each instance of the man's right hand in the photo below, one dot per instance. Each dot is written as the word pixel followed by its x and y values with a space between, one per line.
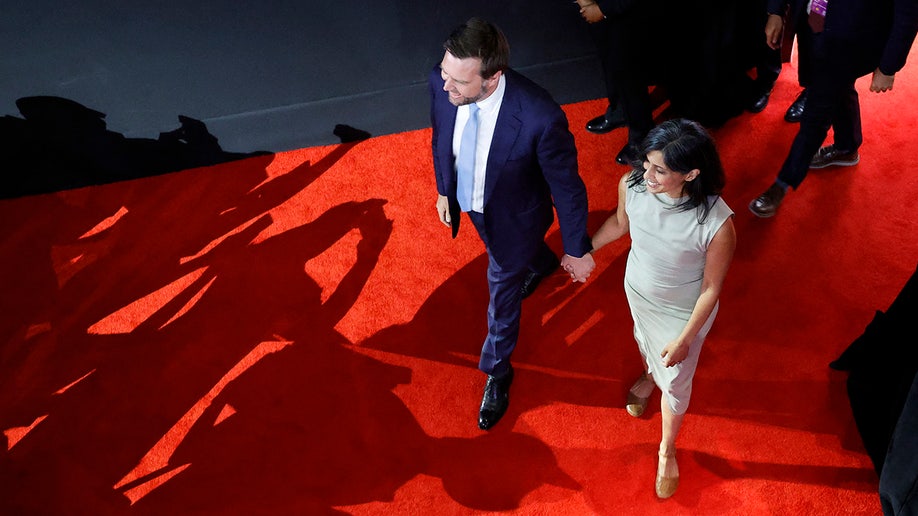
pixel 774 31
pixel 443 210
pixel 590 11
pixel 881 82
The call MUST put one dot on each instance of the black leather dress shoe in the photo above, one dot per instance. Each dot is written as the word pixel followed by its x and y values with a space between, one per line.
pixel 495 401
pixel 529 284
pixel 795 111
pixel 601 124
pixel 532 281
pixel 628 155
pixel 759 102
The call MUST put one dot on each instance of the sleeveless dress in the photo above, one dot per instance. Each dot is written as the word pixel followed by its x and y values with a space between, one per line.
pixel 663 281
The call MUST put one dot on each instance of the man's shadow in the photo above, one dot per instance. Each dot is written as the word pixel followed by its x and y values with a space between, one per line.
pixel 239 385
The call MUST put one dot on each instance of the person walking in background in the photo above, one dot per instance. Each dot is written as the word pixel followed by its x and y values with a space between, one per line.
pixel 617 26
pixel 768 67
pixel 774 28
pixel 773 33
pixel 503 153
pixel 614 116
pixel 682 243
pixel 850 39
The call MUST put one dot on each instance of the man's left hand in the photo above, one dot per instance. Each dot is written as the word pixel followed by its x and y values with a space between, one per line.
pixel 881 82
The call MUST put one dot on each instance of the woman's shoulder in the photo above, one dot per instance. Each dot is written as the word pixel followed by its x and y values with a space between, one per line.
pixel 720 206
pixel 719 211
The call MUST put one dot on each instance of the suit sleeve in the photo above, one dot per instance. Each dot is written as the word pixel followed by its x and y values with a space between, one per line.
pixel 778 7
pixel 901 37
pixel 615 7
pixel 432 87
pixel 441 163
pixel 557 156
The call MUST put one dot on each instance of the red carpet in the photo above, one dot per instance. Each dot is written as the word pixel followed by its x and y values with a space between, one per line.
pixel 297 334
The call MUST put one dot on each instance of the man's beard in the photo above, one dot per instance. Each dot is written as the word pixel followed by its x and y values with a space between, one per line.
pixel 470 100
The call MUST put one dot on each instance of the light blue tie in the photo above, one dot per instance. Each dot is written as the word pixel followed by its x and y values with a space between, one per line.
pixel 465 162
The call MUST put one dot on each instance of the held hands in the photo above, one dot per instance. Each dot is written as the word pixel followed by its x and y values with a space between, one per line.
pixel 578 268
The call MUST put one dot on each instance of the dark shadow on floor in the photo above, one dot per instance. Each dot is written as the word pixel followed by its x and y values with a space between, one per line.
pixel 60 144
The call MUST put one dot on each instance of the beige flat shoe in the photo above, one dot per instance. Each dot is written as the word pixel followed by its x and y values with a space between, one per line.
pixel 634 404
pixel 666 486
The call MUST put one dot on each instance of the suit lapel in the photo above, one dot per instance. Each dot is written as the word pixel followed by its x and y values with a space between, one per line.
pixel 506 131
pixel 447 120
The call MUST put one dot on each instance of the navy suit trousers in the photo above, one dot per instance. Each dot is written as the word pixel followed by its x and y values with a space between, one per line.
pixel 832 101
pixel 505 303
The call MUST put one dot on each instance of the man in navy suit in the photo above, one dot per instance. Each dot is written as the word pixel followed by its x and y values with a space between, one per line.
pixel 851 39
pixel 524 168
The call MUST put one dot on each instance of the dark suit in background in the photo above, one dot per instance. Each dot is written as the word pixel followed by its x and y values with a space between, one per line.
pixel 860 36
pixel 882 366
pixel 708 48
pixel 626 51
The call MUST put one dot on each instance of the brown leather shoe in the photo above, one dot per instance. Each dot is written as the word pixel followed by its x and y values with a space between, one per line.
pixel 829 156
pixel 636 404
pixel 766 205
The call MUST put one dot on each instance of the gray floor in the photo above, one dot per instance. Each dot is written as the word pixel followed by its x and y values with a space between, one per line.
pixel 273 75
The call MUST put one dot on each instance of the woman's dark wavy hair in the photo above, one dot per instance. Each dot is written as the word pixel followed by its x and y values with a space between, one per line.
pixel 478 38
pixel 685 146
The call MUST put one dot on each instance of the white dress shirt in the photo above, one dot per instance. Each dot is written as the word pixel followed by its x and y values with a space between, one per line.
pixel 487 120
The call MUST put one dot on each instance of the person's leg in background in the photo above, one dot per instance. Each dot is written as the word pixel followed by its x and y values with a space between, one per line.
pixel 614 116
pixel 767 61
pixel 804 38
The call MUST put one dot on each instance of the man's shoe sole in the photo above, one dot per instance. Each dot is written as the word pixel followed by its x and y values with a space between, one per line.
pixel 836 163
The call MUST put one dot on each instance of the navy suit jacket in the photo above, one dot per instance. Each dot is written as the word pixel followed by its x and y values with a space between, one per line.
pixel 863 35
pixel 532 166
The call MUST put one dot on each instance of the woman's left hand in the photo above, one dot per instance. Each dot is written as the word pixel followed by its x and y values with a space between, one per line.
pixel 673 354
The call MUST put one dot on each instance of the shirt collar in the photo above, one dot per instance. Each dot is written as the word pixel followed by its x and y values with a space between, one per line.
pixel 489 104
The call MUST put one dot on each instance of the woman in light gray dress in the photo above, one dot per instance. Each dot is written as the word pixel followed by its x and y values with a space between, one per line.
pixel 682 242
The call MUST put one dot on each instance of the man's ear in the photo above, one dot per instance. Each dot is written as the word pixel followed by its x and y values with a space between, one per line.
pixel 496 76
